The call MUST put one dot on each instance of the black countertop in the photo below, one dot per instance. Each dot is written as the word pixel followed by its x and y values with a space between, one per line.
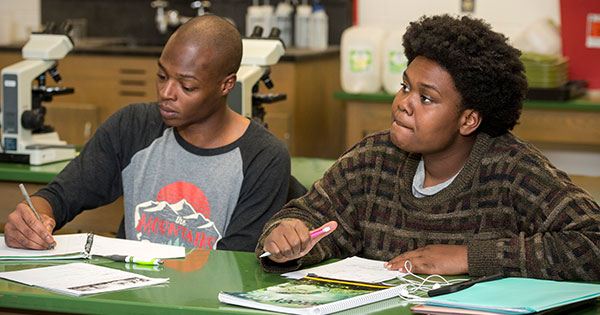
pixel 121 47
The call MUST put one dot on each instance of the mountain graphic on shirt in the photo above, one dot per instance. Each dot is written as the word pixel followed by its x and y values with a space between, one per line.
pixel 175 224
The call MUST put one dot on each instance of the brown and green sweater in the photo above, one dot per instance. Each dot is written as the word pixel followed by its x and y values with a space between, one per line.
pixel 515 211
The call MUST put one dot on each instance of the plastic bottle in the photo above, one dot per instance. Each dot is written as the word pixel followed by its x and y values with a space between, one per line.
pixel 254 17
pixel 393 61
pixel 268 17
pixel 283 21
pixel 361 59
pixel 318 28
pixel 302 20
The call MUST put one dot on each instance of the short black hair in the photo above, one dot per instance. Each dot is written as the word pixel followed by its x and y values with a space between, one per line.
pixel 486 70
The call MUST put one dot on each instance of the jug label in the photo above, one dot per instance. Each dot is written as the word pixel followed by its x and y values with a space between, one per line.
pixel 360 60
pixel 397 62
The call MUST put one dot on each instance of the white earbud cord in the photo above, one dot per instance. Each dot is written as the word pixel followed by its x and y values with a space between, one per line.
pixel 420 286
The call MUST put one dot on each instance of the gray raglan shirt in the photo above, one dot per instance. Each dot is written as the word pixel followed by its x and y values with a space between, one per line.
pixel 175 193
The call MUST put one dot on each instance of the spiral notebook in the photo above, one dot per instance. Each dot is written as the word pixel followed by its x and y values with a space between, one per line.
pixel 311 295
pixel 86 245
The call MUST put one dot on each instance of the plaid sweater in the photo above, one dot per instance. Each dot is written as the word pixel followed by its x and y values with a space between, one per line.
pixel 515 211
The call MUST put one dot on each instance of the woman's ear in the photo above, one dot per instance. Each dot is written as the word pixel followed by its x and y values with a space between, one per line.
pixel 471 119
pixel 228 83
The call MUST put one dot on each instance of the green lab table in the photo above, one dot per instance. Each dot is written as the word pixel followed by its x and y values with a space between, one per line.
pixel 194 283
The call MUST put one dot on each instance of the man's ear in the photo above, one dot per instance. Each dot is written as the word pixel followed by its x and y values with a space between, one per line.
pixel 228 83
pixel 470 121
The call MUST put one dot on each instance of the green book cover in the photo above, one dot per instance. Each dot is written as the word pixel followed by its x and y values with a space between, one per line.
pixel 310 294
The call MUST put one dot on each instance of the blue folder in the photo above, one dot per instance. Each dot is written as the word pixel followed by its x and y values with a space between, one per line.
pixel 518 295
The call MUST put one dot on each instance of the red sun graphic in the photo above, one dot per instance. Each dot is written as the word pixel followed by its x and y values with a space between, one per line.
pixel 174 192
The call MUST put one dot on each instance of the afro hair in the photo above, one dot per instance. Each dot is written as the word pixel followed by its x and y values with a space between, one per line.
pixel 486 70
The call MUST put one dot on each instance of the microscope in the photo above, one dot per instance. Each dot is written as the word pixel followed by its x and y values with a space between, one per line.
pixel 25 138
pixel 258 54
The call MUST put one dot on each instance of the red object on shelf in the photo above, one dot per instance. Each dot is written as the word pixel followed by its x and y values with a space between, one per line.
pixel 580 22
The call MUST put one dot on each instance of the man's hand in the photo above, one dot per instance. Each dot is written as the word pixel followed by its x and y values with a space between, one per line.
pixel 291 240
pixel 433 259
pixel 24 230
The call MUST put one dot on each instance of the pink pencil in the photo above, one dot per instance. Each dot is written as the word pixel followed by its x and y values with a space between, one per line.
pixel 313 234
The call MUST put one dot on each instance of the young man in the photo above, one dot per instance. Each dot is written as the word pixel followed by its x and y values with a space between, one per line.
pixel 192 171
pixel 448 188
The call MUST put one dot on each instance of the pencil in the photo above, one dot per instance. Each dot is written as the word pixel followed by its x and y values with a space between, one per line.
pixel 313 234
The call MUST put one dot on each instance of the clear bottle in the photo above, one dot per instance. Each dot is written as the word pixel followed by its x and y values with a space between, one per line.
pixel 318 28
pixel 254 17
pixel 268 17
pixel 302 20
pixel 283 21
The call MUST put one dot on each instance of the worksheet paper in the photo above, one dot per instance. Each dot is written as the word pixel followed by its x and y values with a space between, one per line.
pixel 73 246
pixel 350 269
pixel 80 279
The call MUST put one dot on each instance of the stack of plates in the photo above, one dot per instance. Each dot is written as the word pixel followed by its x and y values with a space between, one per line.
pixel 545 71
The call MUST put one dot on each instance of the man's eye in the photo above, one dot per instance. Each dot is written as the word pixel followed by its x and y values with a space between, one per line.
pixel 187 89
pixel 425 99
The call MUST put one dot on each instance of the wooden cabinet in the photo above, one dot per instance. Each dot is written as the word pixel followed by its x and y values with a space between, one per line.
pixel 564 126
pixel 310 121
pixel 110 82
pixel 363 118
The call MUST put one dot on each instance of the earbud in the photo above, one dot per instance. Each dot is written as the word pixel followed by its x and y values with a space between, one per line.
pixel 436 286
pixel 404 293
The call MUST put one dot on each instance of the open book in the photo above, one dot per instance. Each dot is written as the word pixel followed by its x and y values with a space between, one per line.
pixel 311 295
pixel 73 246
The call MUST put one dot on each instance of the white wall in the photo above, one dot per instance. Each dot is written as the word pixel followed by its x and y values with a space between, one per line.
pixel 18 18
pixel 509 17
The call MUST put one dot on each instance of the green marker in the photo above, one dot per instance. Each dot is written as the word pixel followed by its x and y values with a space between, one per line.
pixel 136 260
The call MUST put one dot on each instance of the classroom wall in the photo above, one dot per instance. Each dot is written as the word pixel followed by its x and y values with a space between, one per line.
pixel 508 16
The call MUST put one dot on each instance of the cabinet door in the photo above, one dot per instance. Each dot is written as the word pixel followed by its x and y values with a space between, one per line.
pixel 109 82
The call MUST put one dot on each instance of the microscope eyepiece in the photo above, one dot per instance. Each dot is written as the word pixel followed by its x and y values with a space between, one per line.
pixel 275 32
pixel 65 27
pixel 257 32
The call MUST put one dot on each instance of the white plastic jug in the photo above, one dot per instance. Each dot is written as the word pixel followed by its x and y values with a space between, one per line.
pixel 318 28
pixel 268 16
pixel 361 59
pixel 302 20
pixel 394 61
pixel 254 17
pixel 283 21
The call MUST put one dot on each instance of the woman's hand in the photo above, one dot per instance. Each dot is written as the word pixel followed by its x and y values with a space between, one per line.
pixel 433 259
pixel 291 240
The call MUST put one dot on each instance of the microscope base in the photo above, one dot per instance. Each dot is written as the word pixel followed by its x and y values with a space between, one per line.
pixel 40 154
